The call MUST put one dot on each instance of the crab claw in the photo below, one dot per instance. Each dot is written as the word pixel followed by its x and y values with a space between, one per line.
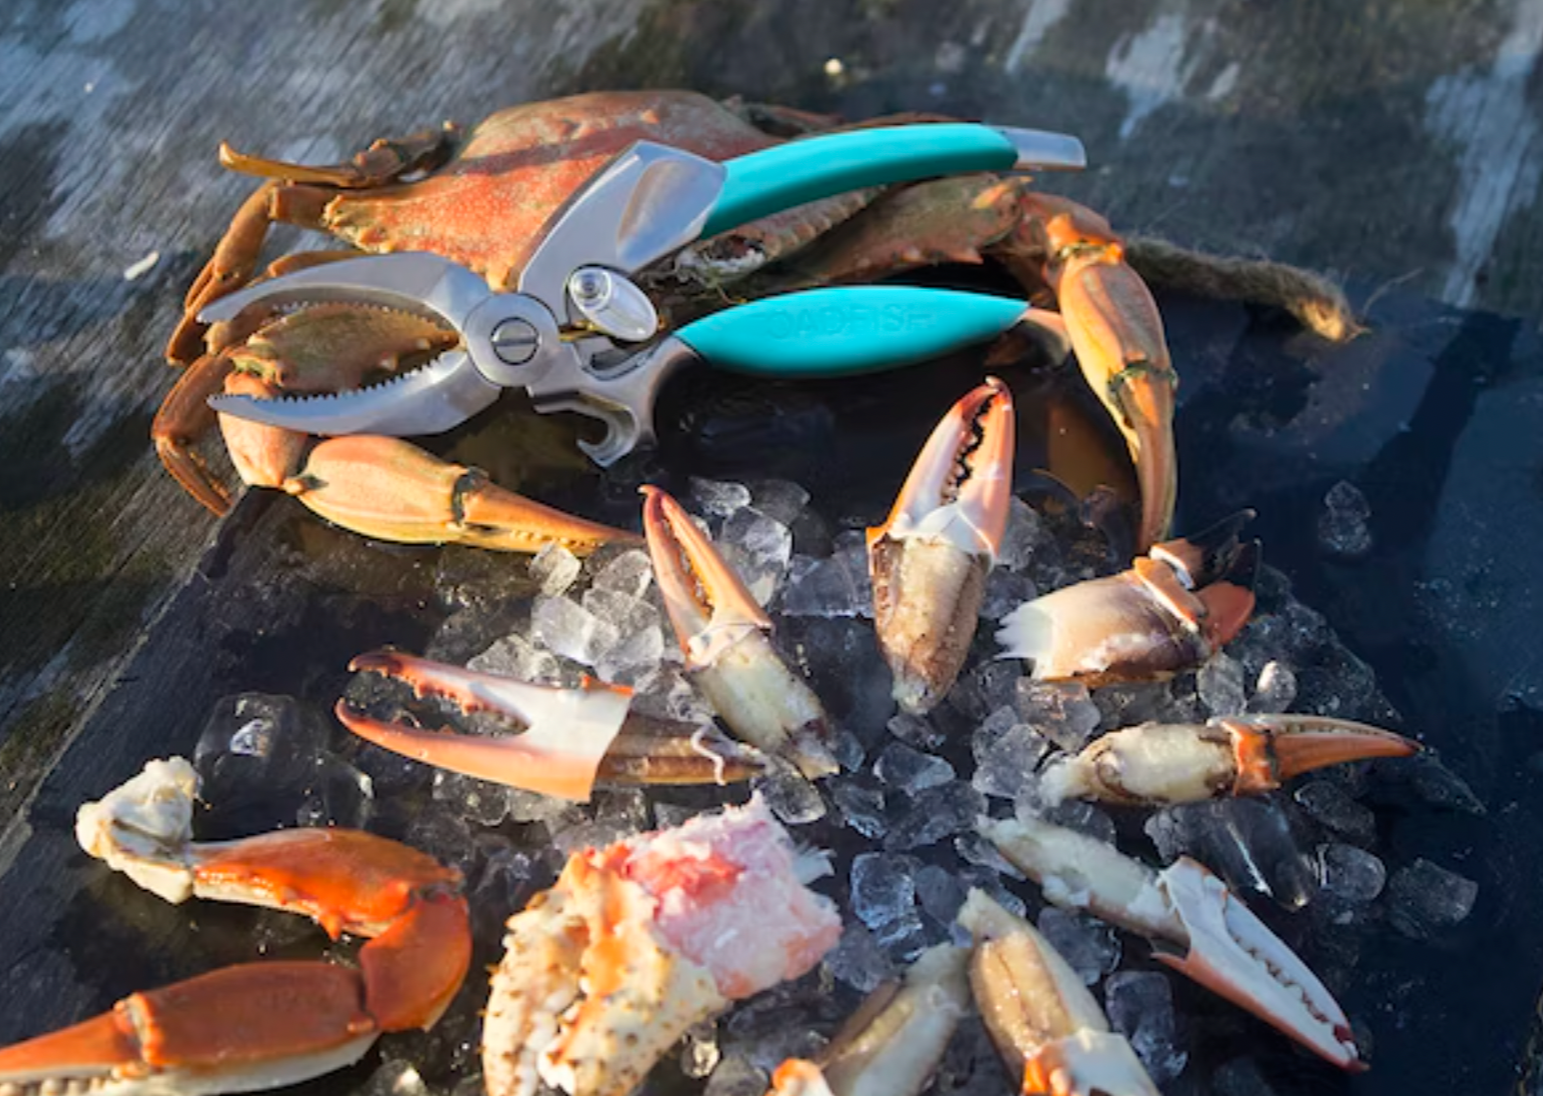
pixel 724 634
pixel 568 738
pixel 1172 610
pixel 1159 763
pixel 1039 1012
pixel 257 1025
pixel 930 559
pixel 391 490
pixel 894 1042
pixel 1197 927
pixel 636 942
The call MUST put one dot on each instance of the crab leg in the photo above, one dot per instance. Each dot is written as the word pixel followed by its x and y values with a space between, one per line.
pixel 1040 1014
pixel 930 559
pixel 638 941
pixel 1117 333
pixel 724 635
pixel 1159 763
pixel 1172 610
pixel 392 490
pixel 569 737
pixel 257 1025
pixel 894 1042
pixel 1197 926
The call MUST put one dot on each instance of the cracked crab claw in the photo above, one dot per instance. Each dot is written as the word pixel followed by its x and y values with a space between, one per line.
pixel 1197 926
pixel 1159 763
pixel 725 636
pixel 930 559
pixel 568 738
pixel 1173 609
pixel 892 1044
pixel 636 942
pixel 1040 1014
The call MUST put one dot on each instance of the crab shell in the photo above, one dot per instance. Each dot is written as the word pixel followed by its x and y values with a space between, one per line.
pixel 638 941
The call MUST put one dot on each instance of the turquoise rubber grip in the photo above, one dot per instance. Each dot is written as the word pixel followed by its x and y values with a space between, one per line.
pixel 840 332
pixel 802 171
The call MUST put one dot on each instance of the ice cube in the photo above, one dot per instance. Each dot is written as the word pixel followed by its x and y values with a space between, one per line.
pixel 1246 841
pixel 1342 528
pixel 566 628
pixel 916 731
pixel 1005 591
pixel 1423 899
pixel 794 800
pixel 517 657
pixel 860 800
pixel 982 852
pixel 717 498
pixel 526 806
pixel 1007 757
pixel 939 892
pixel 441 832
pixel 554 569
pixel 394 1077
pixel 1088 945
pixel 858 960
pixel 630 572
pixel 782 500
pixel 480 802
pixel 633 661
pixel 934 814
pixel 1024 531
pixel 1061 711
pixel 1139 1005
pixel 736 1075
pixel 987 686
pixel 837 586
pixel 911 771
pixel 883 888
pixel 1327 802
pixel 613 814
pixel 1275 690
pixel 1349 875
pixel 1220 685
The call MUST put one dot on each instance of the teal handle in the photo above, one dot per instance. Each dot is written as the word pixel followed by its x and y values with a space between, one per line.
pixel 788 175
pixel 840 332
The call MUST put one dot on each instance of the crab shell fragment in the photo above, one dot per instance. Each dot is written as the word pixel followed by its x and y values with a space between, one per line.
pixel 638 941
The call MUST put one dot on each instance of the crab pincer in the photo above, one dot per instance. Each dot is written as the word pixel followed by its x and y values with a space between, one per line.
pixel 725 634
pixel 930 558
pixel 1172 610
pixel 1154 764
pixel 1039 1012
pixel 562 741
pixel 636 942
pixel 256 1025
pixel 893 1043
pixel 1197 926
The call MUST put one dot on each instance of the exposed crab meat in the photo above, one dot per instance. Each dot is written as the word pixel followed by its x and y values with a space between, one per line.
pixel 1159 763
pixel 567 738
pixel 930 559
pixel 1040 1014
pixel 257 1025
pixel 725 636
pixel 1173 609
pixel 638 941
pixel 894 1042
pixel 1196 924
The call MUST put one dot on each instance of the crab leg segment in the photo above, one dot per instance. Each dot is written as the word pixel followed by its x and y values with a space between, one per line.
pixel 568 738
pixel 1159 763
pixel 638 941
pixel 389 489
pixel 1170 611
pixel 1196 924
pixel 930 559
pixel 257 1025
pixel 1117 332
pixel 725 636
pixel 1040 1014
pixel 894 1042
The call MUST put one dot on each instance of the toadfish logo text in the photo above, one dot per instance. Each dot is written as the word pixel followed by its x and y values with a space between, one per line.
pixel 855 319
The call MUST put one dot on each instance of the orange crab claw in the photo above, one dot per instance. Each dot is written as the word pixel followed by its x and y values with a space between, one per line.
pixel 1170 611
pixel 930 559
pixel 258 1025
pixel 389 489
pixel 568 739
pixel 1159 763
pixel 725 636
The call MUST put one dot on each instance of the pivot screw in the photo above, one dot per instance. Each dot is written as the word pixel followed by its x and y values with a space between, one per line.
pixel 515 341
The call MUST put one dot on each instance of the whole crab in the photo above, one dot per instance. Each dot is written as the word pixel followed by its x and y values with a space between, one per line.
pixel 484 200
